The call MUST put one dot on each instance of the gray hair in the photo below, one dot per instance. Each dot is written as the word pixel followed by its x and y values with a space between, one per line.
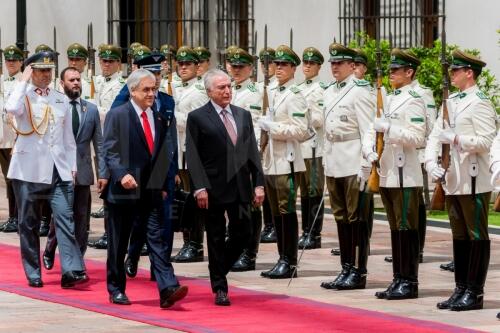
pixel 137 76
pixel 211 75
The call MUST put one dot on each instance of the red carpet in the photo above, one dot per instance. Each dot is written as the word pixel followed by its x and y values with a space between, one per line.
pixel 197 313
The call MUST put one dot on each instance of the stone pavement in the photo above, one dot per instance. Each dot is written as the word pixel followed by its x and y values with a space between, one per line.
pixel 21 314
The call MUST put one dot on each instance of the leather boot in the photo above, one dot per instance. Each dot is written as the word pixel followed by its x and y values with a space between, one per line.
pixel 246 261
pixel 286 267
pixel 193 253
pixel 278 226
pixel 185 245
pixel 359 254
pixel 268 235
pixel 101 243
pixel 44 226
pixel 422 228
pixel 396 272
pixel 315 223
pixel 461 252
pixel 304 207
pixel 479 261
pixel 450 266
pixel 409 254
pixel 345 234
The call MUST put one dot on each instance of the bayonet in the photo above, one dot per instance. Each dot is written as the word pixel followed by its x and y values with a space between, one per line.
pixel 25 50
pixel 56 58
pixel 91 59
pixel 1 53
pixel 264 136
pixel 255 58
pixel 291 38
pixel 130 52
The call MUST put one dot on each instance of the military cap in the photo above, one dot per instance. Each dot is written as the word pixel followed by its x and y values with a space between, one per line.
pixel 312 54
pixel 462 59
pixel 76 50
pixel 361 56
pixel 43 47
pixel 185 53
pixel 230 49
pixel 41 60
pixel 203 53
pixel 12 52
pixel 110 52
pixel 140 52
pixel 240 57
pixel 132 47
pixel 151 62
pixel 270 52
pixel 339 52
pixel 403 58
pixel 168 49
pixel 286 54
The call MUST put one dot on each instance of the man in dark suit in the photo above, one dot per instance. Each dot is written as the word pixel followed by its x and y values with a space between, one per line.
pixel 223 162
pixel 86 130
pixel 142 175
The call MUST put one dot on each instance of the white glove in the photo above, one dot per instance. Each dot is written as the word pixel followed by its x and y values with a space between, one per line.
pixel 437 172
pixel 495 174
pixel 364 173
pixel 381 125
pixel 265 124
pixel 372 157
pixel 447 135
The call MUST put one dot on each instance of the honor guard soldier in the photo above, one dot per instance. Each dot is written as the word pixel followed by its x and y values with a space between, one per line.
pixel 189 95
pixel 312 182
pixel 13 62
pixel 247 96
pixel 228 51
pixel 43 167
pixel 470 134
pixel 286 126
pixel 77 57
pixel 132 49
pixel 269 52
pixel 403 127
pixel 204 64
pixel 348 111
pixel 169 52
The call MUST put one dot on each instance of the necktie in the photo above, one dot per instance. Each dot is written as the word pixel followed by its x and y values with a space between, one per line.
pixel 75 118
pixel 147 131
pixel 229 127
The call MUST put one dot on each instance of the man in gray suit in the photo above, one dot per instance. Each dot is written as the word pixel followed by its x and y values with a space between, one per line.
pixel 86 130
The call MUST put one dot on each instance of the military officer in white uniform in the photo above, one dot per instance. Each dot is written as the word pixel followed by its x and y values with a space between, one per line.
pixel 13 62
pixel 403 126
pixel 348 108
pixel 43 167
pixel 470 134
pixel 312 182
pixel 189 95
pixel 204 64
pixel 247 96
pixel 77 57
pixel 286 126
pixel 169 52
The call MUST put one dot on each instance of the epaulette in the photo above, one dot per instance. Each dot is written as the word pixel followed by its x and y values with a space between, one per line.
pixel 295 89
pixel 413 93
pixel 482 95
pixel 454 95
pixel 252 87
pixel 362 83
pixel 121 80
pixel 200 87
pixel 325 85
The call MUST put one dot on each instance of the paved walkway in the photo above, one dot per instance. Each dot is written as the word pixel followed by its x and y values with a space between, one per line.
pixel 21 314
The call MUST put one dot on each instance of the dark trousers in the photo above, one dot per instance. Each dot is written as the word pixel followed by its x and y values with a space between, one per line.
pixel 81 216
pixel 223 254
pixel 60 196
pixel 4 164
pixel 120 221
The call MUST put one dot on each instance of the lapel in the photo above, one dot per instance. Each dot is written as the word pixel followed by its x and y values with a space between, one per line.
pixel 238 119
pixel 215 118
pixel 395 105
pixel 136 123
pixel 85 111
pixel 158 132
pixel 281 98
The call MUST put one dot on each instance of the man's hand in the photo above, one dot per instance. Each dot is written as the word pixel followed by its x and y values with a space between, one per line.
pixel 259 196
pixel 202 199
pixel 364 173
pixel 164 195
pixel 177 180
pixel 101 184
pixel 372 157
pixel 73 174
pixel 128 182
pixel 265 124
pixel 447 135
pixel 381 125
pixel 436 171
pixel 26 76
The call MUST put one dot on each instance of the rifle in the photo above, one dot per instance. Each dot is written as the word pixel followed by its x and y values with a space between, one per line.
pixel 25 49
pixel 130 53
pixel 170 72
pixel 438 198
pixel 374 178
pixel 56 58
pixel 291 38
pixel 496 205
pixel 264 136
pixel 1 53
pixel 255 59
pixel 91 59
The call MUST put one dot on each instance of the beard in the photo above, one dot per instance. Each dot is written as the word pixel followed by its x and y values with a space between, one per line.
pixel 72 94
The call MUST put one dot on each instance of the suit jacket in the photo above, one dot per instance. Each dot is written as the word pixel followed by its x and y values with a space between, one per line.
pixel 228 172
pixel 126 152
pixel 34 156
pixel 89 131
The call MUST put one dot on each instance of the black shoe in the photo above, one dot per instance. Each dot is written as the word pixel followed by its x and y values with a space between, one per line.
pixel 101 243
pixel 420 258
pixel 10 225
pixel 119 298
pixel 48 261
pixel 130 267
pixel 98 214
pixel 355 280
pixel 302 239
pixel 470 300
pixel 144 250
pixel 244 263
pixel 383 294
pixel 457 294
pixel 311 242
pixel 282 270
pixel 169 296
pixel 335 252
pixel 44 226
pixel 35 283
pixel 448 267
pixel 71 279
pixel 339 279
pixel 269 236
pixel 404 290
pixel 221 298
pixel 498 315
pixel 181 252
pixel 388 259
pixel 191 254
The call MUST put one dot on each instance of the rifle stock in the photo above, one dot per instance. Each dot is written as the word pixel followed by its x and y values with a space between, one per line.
pixel 169 74
pixel 264 135
pixel 496 205
pixel 91 60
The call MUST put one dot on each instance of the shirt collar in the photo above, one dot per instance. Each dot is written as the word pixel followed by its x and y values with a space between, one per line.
pixel 286 84
pixel 138 109
pixel 218 108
